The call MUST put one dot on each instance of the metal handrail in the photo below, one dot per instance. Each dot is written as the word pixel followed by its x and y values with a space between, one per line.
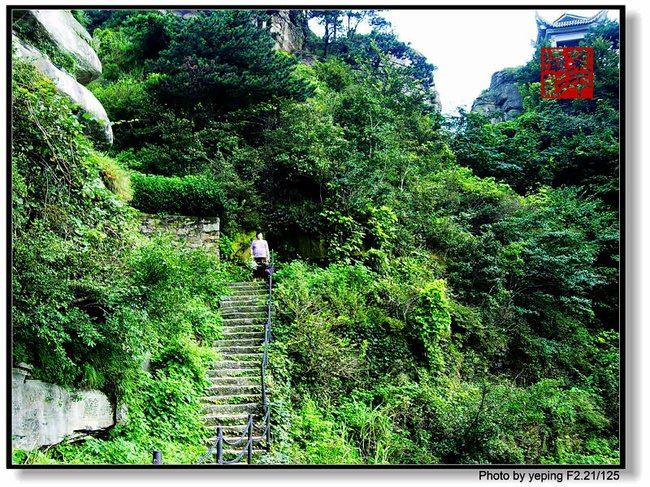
pixel 265 359
pixel 217 448
pixel 238 442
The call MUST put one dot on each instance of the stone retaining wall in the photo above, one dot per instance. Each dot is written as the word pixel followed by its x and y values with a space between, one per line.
pixel 47 414
pixel 197 232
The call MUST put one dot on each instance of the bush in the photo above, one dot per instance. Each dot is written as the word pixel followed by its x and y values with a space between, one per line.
pixel 189 195
pixel 318 439
pixel 71 239
pixel 94 301
pixel 114 176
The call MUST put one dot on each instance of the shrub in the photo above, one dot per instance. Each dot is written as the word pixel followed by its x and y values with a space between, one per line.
pixel 114 176
pixel 189 195
pixel 318 439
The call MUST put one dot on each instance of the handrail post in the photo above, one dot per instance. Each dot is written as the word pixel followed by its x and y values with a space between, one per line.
pixel 250 439
pixel 157 457
pixel 268 429
pixel 219 445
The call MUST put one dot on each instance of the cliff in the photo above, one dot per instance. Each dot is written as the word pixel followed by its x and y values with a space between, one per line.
pixel 502 100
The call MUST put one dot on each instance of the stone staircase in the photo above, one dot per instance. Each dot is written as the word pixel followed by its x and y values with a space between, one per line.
pixel 235 384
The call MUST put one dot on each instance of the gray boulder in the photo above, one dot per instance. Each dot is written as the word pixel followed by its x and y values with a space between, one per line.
pixel 502 100
pixel 67 85
pixel 68 36
pixel 287 30
pixel 47 414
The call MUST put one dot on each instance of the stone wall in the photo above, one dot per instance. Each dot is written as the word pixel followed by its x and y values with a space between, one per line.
pixel 196 232
pixel 47 414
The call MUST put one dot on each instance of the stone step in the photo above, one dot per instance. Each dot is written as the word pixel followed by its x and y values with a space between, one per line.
pixel 244 331
pixel 237 364
pixel 235 349
pixel 243 357
pixel 243 326
pixel 227 420
pixel 232 438
pixel 247 284
pixel 246 292
pixel 229 414
pixel 244 298
pixel 245 407
pixel 242 293
pixel 225 399
pixel 242 369
pixel 237 302
pixel 249 308
pixel 262 291
pixel 254 315
pixel 259 298
pixel 237 436
pixel 236 430
pixel 244 335
pixel 238 342
pixel 234 389
pixel 236 381
pixel 237 450
pixel 232 452
pixel 244 307
pixel 243 321
pixel 229 331
pixel 235 313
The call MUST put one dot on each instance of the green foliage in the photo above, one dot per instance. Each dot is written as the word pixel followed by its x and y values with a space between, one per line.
pixel 444 295
pixel 205 63
pixel 116 179
pixel 372 428
pixel 70 238
pixel 189 195
pixel 320 440
pixel 81 16
pixel 554 142
pixel 432 320
pixel 94 302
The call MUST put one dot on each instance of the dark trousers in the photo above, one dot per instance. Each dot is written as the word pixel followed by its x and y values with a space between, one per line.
pixel 260 270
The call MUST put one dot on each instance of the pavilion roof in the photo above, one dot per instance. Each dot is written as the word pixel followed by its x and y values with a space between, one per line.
pixel 570 20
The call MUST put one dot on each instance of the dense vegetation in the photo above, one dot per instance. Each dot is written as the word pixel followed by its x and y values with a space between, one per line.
pixel 447 289
pixel 95 304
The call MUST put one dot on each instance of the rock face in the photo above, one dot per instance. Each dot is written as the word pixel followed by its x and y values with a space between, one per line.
pixel 287 30
pixel 502 100
pixel 68 36
pixel 196 232
pixel 47 414
pixel 67 85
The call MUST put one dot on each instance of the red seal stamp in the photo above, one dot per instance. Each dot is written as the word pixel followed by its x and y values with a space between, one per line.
pixel 567 72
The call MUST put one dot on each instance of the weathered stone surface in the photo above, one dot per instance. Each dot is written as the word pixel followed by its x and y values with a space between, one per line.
pixel 70 37
pixel 196 232
pixel 502 100
pixel 286 30
pixel 47 414
pixel 67 85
